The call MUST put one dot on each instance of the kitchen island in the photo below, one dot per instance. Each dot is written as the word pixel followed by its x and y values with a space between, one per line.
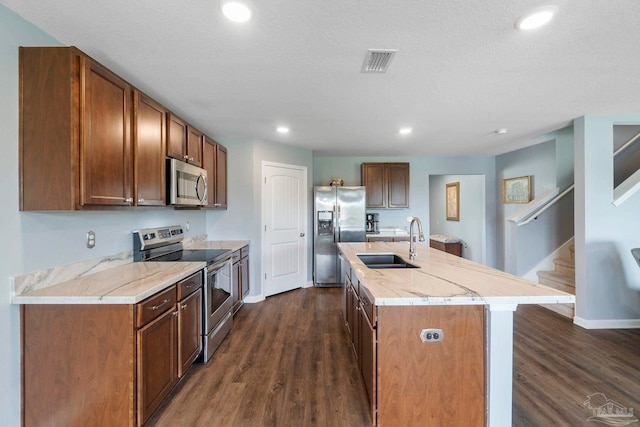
pixel 435 342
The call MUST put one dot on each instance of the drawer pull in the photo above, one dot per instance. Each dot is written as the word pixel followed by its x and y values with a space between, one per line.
pixel 184 306
pixel 155 307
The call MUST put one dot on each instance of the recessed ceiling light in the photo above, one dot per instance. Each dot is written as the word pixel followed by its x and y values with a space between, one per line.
pixel 536 18
pixel 502 131
pixel 282 129
pixel 405 131
pixel 236 11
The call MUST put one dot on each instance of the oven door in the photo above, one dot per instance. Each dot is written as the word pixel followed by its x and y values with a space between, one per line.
pixel 218 294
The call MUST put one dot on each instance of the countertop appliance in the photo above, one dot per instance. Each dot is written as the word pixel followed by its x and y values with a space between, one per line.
pixel 165 244
pixel 338 217
pixel 372 223
pixel 186 184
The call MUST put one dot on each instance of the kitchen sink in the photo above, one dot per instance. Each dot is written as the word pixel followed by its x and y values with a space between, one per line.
pixel 385 261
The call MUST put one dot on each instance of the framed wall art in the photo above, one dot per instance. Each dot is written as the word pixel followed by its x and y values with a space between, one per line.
pixel 516 190
pixel 453 201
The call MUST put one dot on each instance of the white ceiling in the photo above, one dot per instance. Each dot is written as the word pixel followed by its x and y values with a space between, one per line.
pixel 461 70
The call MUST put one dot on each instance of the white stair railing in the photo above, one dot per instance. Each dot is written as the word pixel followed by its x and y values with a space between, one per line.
pixel 534 208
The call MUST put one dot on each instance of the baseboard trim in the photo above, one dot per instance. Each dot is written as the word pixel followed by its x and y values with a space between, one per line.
pixel 607 323
pixel 252 299
pixel 309 284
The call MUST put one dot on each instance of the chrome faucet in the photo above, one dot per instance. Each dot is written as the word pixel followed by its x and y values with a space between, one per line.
pixel 412 244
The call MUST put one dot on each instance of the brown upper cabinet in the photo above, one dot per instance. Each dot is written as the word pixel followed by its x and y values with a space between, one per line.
pixel 150 124
pixel 75 132
pixel 214 160
pixel 184 142
pixel 387 185
pixel 89 139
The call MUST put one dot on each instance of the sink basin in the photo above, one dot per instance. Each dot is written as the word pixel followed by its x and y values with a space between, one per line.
pixel 385 261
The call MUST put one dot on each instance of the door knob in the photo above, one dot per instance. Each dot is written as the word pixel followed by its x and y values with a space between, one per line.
pixel 301 234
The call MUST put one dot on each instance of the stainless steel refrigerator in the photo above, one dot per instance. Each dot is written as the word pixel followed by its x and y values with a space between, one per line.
pixel 339 216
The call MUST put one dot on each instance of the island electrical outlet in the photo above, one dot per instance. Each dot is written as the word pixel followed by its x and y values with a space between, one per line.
pixel 431 335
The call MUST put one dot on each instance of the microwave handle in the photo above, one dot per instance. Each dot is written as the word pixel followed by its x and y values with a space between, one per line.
pixel 202 197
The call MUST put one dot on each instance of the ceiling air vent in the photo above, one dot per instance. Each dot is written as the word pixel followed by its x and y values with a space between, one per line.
pixel 378 60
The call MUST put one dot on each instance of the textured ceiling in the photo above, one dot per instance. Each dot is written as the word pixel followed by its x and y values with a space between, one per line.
pixel 461 70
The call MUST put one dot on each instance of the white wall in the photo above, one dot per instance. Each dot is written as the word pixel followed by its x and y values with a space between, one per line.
pixel 348 168
pixel 607 276
pixel 471 228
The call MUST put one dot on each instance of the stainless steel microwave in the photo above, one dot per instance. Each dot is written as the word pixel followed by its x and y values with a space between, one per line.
pixel 186 184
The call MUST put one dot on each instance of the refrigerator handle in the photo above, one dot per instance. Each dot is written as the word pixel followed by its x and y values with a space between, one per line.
pixel 336 222
pixel 338 237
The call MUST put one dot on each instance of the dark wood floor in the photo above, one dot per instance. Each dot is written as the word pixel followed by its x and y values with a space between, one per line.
pixel 287 362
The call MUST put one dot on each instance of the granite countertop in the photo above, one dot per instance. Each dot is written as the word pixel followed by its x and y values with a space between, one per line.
pixel 232 245
pixel 442 279
pixel 125 284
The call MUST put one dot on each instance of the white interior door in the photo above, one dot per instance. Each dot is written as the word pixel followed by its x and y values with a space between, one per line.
pixel 285 225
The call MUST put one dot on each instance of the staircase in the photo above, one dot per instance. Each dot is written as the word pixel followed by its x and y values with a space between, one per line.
pixel 562 278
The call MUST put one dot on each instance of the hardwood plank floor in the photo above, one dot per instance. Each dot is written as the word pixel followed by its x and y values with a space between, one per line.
pixel 288 362
pixel 557 365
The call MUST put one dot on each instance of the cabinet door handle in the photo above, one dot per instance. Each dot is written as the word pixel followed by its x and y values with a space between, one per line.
pixel 155 307
pixel 185 157
pixel 128 200
pixel 191 158
pixel 140 200
pixel 184 306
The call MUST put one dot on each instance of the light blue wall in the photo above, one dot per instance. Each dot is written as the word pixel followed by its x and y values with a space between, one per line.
pixel 243 218
pixel 348 168
pixel 515 254
pixel 470 229
pixel 607 277
pixel 35 241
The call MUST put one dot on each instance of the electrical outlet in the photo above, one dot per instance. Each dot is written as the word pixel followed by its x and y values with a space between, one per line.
pixel 431 335
pixel 91 239
pixel 187 226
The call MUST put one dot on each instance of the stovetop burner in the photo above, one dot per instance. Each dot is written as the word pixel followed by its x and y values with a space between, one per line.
pixel 165 244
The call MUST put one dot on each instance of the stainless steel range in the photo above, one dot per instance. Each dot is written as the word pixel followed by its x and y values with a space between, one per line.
pixel 165 244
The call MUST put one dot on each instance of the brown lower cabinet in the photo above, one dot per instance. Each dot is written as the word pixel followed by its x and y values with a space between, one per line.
pixel 240 259
pixel 107 364
pixel 410 382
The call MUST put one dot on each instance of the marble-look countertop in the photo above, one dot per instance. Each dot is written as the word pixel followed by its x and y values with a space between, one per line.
pixel 442 279
pixel 126 284
pixel 232 245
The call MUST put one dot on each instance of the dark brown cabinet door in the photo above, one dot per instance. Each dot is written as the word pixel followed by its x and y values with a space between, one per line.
pixel 354 316
pixel 373 178
pixel 189 331
pixel 397 185
pixel 244 277
pixel 209 164
pixel 221 177
pixel 106 164
pixel 149 151
pixel 157 361
pixel 176 137
pixel 194 146
pixel 236 285
pixel 387 185
pixel 368 359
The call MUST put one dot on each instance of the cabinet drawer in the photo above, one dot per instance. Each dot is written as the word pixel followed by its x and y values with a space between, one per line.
pixel 367 306
pixel 244 252
pixel 235 256
pixel 189 285
pixel 155 305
